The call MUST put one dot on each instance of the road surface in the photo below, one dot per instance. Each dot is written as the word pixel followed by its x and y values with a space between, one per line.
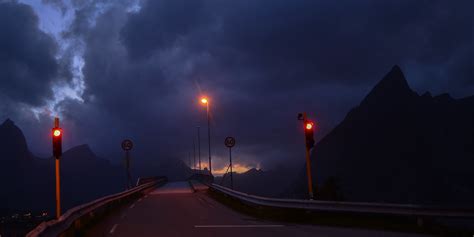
pixel 177 210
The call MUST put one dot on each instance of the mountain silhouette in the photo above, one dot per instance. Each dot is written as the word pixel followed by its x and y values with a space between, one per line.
pixel 400 147
pixel 13 143
pixel 28 182
pixel 271 183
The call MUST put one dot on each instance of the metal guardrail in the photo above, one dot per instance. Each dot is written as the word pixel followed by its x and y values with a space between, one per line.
pixel 141 181
pixel 347 207
pixel 75 218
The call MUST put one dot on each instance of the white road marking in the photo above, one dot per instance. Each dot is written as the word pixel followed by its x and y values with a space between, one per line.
pixel 123 216
pixel 113 229
pixel 132 206
pixel 146 196
pixel 139 200
pixel 238 226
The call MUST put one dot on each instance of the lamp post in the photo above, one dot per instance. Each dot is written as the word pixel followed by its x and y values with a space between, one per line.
pixel 205 101
pixel 199 148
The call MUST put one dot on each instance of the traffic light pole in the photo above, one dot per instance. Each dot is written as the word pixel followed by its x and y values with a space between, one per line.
pixel 308 173
pixel 58 174
pixel 308 163
pixel 58 189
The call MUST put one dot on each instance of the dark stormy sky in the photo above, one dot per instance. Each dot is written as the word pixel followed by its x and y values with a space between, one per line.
pixel 115 69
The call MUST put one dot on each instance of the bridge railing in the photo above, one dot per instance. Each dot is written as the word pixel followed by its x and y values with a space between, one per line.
pixel 345 207
pixel 73 222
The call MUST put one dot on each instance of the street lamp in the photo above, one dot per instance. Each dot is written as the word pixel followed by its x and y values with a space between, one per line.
pixel 205 101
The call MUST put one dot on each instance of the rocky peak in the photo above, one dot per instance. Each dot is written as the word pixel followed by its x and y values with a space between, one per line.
pixel 392 88
pixel 12 141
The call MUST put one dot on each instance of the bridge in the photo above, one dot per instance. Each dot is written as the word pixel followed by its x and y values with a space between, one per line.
pixel 197 207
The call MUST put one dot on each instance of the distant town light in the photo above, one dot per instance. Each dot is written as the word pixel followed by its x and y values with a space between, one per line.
pixel 309 126
pixel 204 100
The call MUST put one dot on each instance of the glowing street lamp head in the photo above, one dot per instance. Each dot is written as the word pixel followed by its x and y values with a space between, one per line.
pixel 57 132
pixel 309 126
pixel 204 100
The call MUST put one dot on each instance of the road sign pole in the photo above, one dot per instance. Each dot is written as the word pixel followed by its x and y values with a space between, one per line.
pixel 127 145
pixel 127 163
pixel 230 142
pixel 231 173
pixel 58 176
pixel 194 155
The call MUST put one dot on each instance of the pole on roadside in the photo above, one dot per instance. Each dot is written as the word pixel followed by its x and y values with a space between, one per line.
pixel 57 153
pixel 127 145
pixel 194 155
pixel 309 143
pixel 209 137
pixel 231 172
pixel 230 142
pixel 199 147
pixel 127 164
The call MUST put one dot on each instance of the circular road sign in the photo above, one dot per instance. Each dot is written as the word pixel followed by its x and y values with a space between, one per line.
pixel 127 145
pixel 229 142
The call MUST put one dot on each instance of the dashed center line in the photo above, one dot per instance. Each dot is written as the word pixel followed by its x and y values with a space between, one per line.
pixel 132 206
pixel 139 200
pixel 113 229
pixel 238 226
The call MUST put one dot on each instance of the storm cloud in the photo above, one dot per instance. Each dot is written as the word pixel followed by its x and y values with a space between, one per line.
pixel 28 66
pixel 261 63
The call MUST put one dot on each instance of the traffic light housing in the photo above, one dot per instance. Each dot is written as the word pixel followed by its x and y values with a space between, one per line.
pixel 309 133
pixel 57 142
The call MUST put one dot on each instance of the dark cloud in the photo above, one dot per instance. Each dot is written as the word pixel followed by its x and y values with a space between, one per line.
pixel 310 40
pixel 161 24
pixel 261 62
pixel 27 56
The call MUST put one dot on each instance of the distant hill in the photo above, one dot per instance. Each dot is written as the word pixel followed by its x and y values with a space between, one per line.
pixel 173 168
pixel 271 183
pixel 400 147
pixel 28 182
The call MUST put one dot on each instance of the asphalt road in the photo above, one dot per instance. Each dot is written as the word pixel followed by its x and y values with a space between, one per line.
pixel 176 210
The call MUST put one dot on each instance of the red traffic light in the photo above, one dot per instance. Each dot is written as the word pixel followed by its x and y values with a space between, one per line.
pixel 57 142
pixel 57 132
pixel 309 133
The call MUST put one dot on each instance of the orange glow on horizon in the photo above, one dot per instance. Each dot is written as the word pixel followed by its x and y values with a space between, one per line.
pixel 236 168
pixel 57 132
